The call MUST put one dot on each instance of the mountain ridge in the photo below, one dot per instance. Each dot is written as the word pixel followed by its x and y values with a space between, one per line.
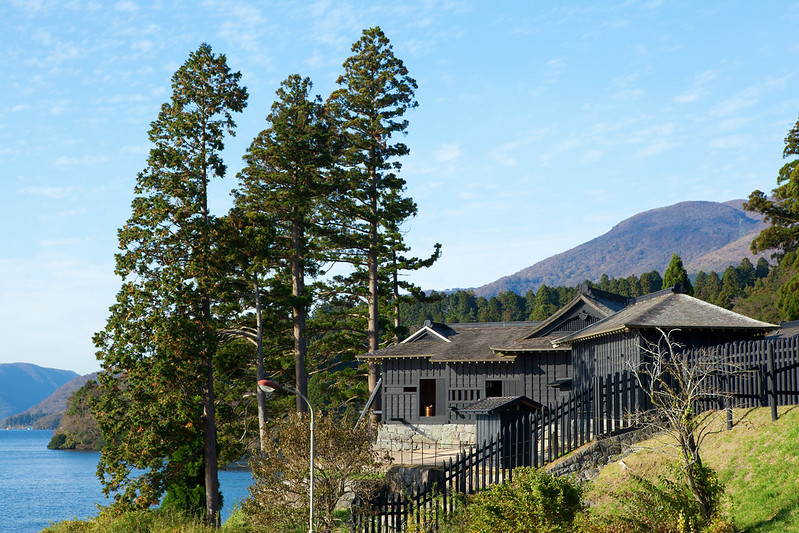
pixel 23 385
pixel 706 235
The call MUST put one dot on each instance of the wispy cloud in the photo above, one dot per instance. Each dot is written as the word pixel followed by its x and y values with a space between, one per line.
pixel 447 152
pixel 91 160
pixel 504 154
pixel 47 192
pixel 127 6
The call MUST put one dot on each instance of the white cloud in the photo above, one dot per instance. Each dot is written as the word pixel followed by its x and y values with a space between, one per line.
pixel 591 156
pixel 503 154
pixel 59 242
pixel 698 88
pixel 142 45
pixel 655 148
pixel 56 108
pixel 47 192
pixel 730 141
pixel 90 160
pixel 447 152
pixel 127 6
pixel 743 99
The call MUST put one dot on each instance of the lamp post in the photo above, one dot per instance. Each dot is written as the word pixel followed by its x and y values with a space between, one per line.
pixel 267 385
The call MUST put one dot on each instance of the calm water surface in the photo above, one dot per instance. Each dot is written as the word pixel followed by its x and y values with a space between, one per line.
pixel 39 486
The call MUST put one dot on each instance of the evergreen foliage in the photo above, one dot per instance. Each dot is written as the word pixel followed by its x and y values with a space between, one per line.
pixel 283 191
pixel 676 273
pixel 375 91
pixel 159 344
pixel 781 212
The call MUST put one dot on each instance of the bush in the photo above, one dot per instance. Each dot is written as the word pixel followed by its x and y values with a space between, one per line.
pixel 667 505
pixel 532 501
pixel 278 499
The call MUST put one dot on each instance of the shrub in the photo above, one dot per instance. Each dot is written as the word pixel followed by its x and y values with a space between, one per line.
pixel 532 501
pixel 668 505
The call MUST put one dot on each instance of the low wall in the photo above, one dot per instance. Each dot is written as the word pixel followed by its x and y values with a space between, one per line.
pixel 584 463
pixel 396 437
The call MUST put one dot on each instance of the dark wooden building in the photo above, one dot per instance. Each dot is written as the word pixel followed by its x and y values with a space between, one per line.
pixel 436 373
pixel 623 339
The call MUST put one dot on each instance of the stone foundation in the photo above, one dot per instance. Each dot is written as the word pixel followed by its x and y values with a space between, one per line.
pixel 396 437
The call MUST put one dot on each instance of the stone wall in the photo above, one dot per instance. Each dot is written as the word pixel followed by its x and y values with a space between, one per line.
pixel 396 437
pixel 585 462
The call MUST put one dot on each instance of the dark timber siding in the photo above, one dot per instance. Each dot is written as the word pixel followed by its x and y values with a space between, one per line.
pixel 603 356
pixel 609 354
pixel 461 384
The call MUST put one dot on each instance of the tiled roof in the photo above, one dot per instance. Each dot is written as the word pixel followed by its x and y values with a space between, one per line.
pixel 605 303
pixel 500 403
pixel 456 342
pixel 668 309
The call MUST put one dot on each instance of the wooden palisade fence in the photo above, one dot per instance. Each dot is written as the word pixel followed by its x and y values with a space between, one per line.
pixel 767 374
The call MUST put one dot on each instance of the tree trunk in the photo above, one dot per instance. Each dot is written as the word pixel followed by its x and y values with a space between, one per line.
pixel 259 350
pixel 373 330
pixel 211 467
pixel 395 286
pixel 299 313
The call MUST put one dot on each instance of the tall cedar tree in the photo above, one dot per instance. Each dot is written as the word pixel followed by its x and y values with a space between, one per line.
pixel 284 186
pixel 375 92
pixel 251 295
pixel 782 213
pixel 676 273
pixel 157 349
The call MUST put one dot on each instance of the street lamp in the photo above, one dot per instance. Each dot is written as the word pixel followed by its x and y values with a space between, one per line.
pixel 267 385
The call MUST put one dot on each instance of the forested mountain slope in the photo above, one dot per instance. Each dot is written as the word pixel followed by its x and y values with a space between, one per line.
pixel 47 413
pixel 23 385
pixel 706 235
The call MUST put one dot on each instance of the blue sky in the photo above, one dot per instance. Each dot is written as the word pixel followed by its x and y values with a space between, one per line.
pixel 540 126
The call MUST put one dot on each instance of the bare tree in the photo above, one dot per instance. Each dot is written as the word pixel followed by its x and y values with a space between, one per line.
pixel 683 387
pixel 279 494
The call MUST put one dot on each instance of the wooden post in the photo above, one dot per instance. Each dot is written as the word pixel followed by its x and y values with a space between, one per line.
pixel 727 386
pixel 772 382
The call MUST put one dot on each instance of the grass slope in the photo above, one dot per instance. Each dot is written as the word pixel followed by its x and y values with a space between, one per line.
pixel 757 460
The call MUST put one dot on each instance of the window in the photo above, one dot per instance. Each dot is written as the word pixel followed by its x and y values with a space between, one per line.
pixel 493 388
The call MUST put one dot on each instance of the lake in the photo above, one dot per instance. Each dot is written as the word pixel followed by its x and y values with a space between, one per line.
pixel 39 486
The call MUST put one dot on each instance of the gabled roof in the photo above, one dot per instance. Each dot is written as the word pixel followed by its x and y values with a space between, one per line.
pixel 446 343
pixel 497 404
pixel 668 309
pixel 605 303
pixel 599 303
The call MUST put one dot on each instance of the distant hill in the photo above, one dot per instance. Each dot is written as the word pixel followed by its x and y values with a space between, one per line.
pixel 47 413
pixel 706 235
pixel 23 385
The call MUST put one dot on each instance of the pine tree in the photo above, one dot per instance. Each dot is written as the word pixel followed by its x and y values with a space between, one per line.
pixel 284 188
pixel 762 268
pixel 369 107
pixel 676 273
pixel 781 210
pixel 157 350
